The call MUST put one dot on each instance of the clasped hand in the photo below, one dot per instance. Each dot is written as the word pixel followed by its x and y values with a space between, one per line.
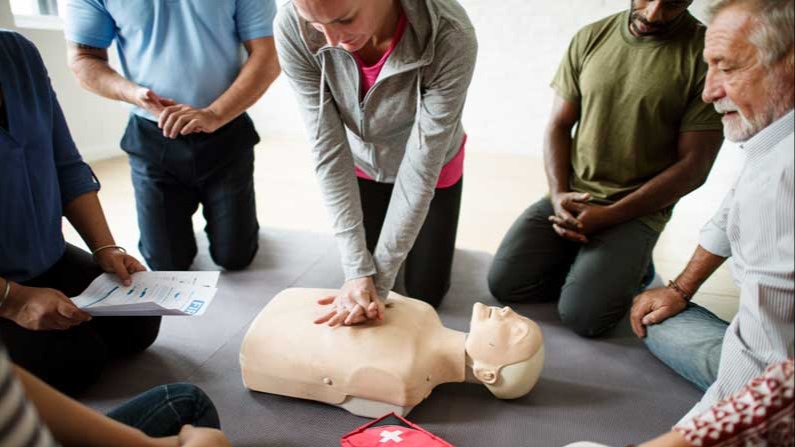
pixel 177 119
pixel 356 303
pixel 575 218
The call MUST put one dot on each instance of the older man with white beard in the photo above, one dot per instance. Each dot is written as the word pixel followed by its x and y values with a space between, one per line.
pixel 749 49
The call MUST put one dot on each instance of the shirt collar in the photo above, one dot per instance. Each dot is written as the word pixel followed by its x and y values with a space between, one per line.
pixel 770 136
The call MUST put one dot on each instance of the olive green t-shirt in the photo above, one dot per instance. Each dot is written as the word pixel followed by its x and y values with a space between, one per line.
pixel 636 96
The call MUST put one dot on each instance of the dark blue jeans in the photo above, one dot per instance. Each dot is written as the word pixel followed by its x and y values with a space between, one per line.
pixel 173 177
pixel 162 411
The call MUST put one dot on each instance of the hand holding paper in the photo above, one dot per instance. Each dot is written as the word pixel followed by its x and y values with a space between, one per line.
pixel 151 293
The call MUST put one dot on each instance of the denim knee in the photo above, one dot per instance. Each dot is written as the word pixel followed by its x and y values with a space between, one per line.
pixel 162 261
pixel 235 258
pixel 193 405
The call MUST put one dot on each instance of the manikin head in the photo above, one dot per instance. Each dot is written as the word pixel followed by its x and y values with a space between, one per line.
pixel 349 24
pixel 655 17
pixel 507 350
pixel 749 50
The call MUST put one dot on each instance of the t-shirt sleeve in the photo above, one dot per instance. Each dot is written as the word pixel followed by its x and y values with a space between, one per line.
pixel 254 18
pixel 698 114
pixel 566 82
pixel 87 22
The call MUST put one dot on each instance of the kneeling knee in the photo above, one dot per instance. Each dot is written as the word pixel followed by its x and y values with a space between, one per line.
pixel 193 405
pixel 502 287
pixel 584 323
pixel 234 260
pixel 142 335
pixel 431 294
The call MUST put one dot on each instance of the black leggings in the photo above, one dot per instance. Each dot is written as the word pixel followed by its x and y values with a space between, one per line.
pixel 429 264
pixel 72 359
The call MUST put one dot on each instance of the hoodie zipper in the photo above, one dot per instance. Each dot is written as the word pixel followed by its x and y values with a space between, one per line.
pixel 363 103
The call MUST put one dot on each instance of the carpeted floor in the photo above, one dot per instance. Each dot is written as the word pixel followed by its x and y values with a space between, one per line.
pixel 609 390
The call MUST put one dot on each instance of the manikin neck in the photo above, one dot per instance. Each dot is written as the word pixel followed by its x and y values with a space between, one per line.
pixel 469 373
pixel 450 355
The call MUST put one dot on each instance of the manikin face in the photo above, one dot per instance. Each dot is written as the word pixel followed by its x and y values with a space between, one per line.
pixel 750 95
pixel 349 24
pixel 499 337
pixel 653 17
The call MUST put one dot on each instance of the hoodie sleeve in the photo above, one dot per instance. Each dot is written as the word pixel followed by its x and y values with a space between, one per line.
pixel 329 144
pixel 438 122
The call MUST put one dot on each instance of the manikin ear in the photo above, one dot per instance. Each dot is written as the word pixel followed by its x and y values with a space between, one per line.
pixel 485 375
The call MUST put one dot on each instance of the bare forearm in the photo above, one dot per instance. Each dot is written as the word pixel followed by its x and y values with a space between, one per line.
pixel 670 439
pixel 86 216
pixel 254 79
pixel 701 266
pixel 95 74
pixel 73 424
pixel 697 151
pixel 557 158
pixel 662 191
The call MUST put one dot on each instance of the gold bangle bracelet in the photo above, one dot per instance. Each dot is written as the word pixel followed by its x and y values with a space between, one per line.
pixel 118 247
pixel 6 292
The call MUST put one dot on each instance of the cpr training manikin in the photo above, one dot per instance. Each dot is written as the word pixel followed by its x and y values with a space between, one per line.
pixel 389 365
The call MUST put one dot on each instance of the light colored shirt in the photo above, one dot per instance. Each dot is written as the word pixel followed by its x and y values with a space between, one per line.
pixel 186 50
pixel 20 425
pixel 755 226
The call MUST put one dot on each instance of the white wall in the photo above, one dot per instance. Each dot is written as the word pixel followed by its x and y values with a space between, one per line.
pixel 521 43
pixel 96 124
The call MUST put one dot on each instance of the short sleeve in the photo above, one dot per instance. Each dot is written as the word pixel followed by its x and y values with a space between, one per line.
pixel 254 18
pixel 566 82
pixel 700 116
pixel 87 22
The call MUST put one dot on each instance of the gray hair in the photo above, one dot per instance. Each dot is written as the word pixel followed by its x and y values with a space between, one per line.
pixel 774 33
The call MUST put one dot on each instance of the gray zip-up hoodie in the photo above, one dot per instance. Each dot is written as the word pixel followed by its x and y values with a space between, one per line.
pixel 404 131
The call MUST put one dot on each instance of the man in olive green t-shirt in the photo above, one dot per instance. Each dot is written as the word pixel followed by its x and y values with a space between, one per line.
pixel 631 83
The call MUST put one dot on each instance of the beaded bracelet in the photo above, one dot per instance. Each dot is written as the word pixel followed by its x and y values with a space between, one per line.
pixel 673 285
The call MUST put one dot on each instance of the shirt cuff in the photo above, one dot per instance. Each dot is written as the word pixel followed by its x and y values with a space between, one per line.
pixel 714 240
pixel 77 180
pixel 255 33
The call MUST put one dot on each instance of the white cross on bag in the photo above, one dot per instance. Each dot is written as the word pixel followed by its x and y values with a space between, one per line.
pixel 387 436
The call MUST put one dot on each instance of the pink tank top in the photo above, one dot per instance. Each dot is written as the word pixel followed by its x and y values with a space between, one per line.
pixel 451 172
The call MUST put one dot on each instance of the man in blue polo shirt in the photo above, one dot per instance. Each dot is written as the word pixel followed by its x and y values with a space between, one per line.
pixel 43 179
pixel 189 139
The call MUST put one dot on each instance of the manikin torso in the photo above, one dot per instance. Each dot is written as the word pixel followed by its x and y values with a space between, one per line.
pixel 383 366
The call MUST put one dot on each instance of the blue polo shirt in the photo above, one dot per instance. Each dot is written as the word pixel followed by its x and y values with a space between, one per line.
pixel 186 50
pixel 40 168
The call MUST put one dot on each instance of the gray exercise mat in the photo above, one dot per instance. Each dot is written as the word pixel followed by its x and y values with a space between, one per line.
pixel 610 390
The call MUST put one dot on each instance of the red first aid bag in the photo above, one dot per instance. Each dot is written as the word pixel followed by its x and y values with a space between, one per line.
pixel 392 431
